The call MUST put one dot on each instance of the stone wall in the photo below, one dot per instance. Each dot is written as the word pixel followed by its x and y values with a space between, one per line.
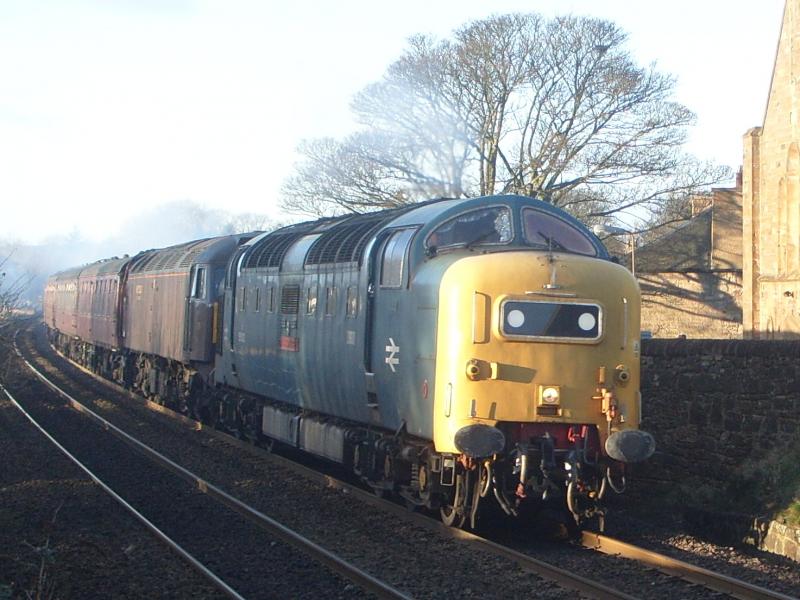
pixel 782 539
pixel 696 305
pixel 725 415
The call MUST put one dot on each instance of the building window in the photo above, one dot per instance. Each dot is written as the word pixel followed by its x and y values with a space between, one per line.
pixel 258 299
pixel 242 298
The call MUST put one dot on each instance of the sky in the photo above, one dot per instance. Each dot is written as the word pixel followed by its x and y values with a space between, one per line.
pixel 111 108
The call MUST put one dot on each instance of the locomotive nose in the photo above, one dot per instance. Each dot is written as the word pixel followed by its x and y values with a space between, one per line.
pixel 630 446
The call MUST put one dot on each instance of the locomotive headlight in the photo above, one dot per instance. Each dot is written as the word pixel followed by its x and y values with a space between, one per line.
pixel 515 319
pixel 549 395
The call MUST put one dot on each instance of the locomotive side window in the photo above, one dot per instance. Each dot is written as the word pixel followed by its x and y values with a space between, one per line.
pixel 352 301
pixel 311 303
pixel 270 298
pixel 330 301
pixel 394 258
pixel 552 233
pixel 485 226
pixel 199 287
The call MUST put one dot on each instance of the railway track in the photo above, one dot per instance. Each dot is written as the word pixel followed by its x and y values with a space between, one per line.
pixel 565 577
pixel 714 581
pixel 198 566
pixel 369 584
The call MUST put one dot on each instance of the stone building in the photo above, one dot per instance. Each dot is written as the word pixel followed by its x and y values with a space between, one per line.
pixel 691 278
pixel 771 198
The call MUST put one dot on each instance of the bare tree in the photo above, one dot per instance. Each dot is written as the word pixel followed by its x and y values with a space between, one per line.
pixel 556 109
pixel 248 222
pixel 11 288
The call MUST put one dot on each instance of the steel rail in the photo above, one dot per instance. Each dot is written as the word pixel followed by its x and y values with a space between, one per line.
pixel 320 554
pixel 672 566
pixel 173 545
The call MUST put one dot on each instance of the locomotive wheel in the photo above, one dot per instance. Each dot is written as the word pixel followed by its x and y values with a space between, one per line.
pixel 454 515
pixel 451 516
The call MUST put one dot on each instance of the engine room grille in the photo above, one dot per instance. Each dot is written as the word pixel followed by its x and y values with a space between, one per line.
pixel 290 299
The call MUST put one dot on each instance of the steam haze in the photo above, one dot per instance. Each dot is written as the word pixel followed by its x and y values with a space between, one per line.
pixel 165 225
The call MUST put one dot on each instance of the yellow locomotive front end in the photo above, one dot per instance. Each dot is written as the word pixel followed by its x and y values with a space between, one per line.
pixel 537 381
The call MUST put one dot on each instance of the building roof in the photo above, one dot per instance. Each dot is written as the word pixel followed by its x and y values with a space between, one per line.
pixel 687 248
pixel 709 241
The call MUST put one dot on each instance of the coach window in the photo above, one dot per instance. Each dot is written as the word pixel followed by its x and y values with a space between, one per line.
pixel 352 301
pixel 330 301
pixel 311 303
pixel 394 258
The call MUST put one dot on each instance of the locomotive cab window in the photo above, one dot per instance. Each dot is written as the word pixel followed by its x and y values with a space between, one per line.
pixel 486 226
pixel 550 232
pixel 394 258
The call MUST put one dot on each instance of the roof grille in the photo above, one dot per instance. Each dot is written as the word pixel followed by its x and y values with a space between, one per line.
pixel 269 252
pixel 345 241
pixel 171 259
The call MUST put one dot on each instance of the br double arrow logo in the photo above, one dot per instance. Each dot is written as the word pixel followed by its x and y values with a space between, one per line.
pixel 393 351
